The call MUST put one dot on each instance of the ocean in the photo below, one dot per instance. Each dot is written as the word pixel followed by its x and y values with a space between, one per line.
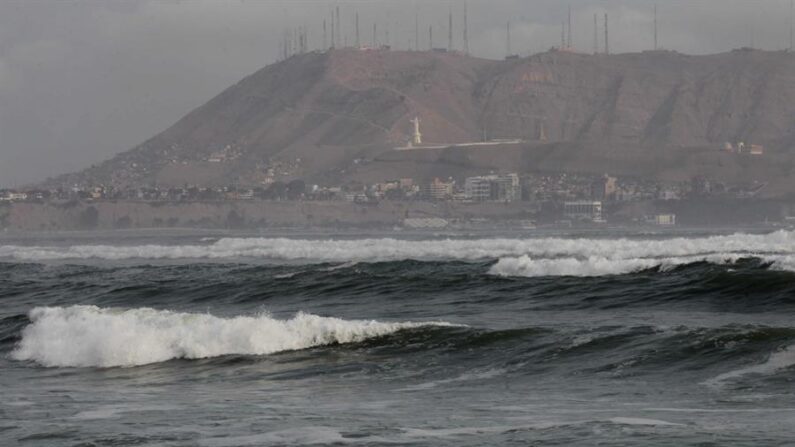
pixel 536 338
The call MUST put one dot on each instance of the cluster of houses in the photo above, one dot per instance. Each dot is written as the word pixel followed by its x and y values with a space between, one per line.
pixel 576 196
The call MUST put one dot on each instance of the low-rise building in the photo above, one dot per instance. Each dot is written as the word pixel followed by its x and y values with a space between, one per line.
pixel 604 188
pixel 17 196
pixel 424 223
pixel 501 188
pixel 441 190
pixel 478 188
pixel 590 210
pixel 665 220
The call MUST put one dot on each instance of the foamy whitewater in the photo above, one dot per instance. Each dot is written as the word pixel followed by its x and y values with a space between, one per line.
pixel 520 257
pixel 90 336
pixel 183 340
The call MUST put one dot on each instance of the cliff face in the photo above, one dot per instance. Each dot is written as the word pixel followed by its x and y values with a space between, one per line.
pixel 312 115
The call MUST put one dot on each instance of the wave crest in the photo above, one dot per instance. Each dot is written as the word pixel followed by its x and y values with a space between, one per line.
pixel 83 336
pixel 390 249
pixel 516 257
pixel 598 265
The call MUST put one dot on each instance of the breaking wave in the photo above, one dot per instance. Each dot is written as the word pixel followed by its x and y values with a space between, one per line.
pixel 601 266
pixel 516 257
pixel 84 336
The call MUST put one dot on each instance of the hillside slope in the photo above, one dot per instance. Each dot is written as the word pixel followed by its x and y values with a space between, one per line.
pixel 315 116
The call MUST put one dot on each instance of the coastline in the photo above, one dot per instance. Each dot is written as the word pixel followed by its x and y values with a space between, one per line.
pixel 291 216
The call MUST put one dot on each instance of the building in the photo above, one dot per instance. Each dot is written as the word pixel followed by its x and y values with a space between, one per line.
pixel 668 194
pixel 406 183
pixel 441 190
pixel 604 188
pixel 583 210
pixel 478 188
pixel 665 220
pixel 425 223
pixel 500 188
pixel 16 196
pixel 506 188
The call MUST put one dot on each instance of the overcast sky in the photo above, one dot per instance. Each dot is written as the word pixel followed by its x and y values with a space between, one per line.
pixel 83 80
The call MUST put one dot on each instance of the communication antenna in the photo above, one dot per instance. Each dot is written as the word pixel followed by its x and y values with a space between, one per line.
pixel 655 27
pixel 333 35
pixel 569 40
pixel 416 27
pixel 325 36
pixel 607 40
pixel 397 34
pixel 595 34
pixel 466 30
pixel 430 37
pixel 508 40
pixel 358 42
pixel 339 30
pixel 375 35
pixel 791 6
pixel 450 31
pixel 562 35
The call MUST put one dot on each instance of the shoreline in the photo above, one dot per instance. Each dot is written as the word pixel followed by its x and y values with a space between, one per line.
pixel 392 216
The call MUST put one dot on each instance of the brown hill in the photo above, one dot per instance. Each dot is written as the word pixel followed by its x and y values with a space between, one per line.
pixel 337 116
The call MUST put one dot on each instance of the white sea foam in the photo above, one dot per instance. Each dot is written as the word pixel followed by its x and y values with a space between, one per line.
pixel 777 361
pixel 642 421
pixel 467 377
pixel 386 249
pixel 82 336
pixel 522 257
pixel 598 265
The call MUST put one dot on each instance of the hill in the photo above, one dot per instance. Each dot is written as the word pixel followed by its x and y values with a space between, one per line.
pixel 337 116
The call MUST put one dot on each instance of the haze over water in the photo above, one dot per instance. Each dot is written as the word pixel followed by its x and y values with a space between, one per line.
pixel 550 338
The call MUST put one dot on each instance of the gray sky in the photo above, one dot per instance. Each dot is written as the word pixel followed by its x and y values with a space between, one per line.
pixel 83 80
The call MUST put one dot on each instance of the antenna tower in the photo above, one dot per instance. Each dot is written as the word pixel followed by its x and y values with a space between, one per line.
pixel 339 30
pixel 607 40
pixel 358 42
pixel 508 39
pixel 655 27
pixel 466 30
pixel 416 27
pixel 568 43
pixel 450 31
pixel 595 34
pixel 333 35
